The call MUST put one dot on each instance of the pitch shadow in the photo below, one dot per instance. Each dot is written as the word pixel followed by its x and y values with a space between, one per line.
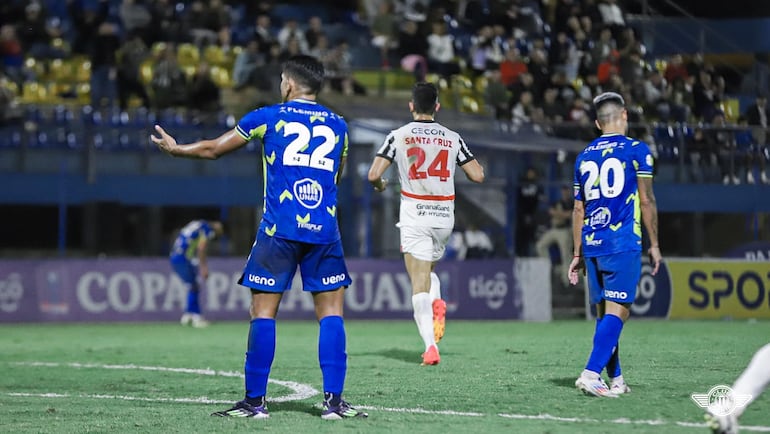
pixel 295 406
pixel 409 356
pixel 568 382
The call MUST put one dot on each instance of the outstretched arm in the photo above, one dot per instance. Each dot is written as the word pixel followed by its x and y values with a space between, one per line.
pixel 649 210
pixel 378 167
pixel 205 149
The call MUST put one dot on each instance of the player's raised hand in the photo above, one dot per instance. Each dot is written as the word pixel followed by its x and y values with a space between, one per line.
pixel 655 258
pixel 165 142
pixel 575 266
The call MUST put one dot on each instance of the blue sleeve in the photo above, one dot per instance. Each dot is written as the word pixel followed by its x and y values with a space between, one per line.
pixel 643 160
pixel 253 125
pixel 578 190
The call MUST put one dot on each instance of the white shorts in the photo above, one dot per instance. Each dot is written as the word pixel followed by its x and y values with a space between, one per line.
pixel 425 244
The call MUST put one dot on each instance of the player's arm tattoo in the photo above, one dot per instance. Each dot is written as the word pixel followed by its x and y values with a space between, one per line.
pixel 649 209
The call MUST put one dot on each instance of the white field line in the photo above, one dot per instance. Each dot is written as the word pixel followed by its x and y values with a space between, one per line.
pixel 299 391
pixel 302 391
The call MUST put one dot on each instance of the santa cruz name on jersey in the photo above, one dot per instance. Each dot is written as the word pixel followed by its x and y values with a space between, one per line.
pixel 302 145
pixel 606 181
pixel 186 244
pixel 427 154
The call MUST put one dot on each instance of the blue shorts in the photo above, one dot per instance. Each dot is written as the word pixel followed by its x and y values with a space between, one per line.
pixel 186 271
pixel 273 261
pixel 614 277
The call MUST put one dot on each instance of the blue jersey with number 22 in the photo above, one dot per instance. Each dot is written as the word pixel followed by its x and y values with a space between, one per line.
pixel 302 145
pixel 605 180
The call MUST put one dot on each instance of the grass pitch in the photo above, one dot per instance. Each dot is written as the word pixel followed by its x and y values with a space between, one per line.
pixel 494 377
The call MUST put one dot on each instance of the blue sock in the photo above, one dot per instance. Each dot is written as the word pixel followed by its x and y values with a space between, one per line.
pixel 192 302
pixel 332 356
pixel 613 366
pixel 259 356
pixel 605 340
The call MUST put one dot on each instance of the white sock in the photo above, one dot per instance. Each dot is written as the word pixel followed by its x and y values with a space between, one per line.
pixel 755 378
pixel 435 287
pixel 423 316
pixel 617 380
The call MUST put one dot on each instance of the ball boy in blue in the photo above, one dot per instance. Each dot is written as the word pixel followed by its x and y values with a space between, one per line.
pixel 613 195
pixel 304 147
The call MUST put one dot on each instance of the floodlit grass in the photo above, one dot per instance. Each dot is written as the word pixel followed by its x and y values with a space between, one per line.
pixel 494 376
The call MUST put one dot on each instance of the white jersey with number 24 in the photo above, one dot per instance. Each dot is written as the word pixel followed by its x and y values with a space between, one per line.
pixel 427 154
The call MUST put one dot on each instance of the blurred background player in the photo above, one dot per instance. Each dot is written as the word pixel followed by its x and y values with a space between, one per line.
pixel 427 154
pixel 189 261
pixel 613 181
pixel 752 382
pixel 304 150
pixel 559 233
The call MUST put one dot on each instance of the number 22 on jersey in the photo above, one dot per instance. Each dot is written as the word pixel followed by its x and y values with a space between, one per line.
pixel 293 154
pixel 606 180
pixel 438 168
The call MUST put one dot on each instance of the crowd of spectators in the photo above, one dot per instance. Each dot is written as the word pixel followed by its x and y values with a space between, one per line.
pixel 542 62
pixel 539 63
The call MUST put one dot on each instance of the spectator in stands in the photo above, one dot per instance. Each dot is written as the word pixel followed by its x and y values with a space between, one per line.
pixel 522 111
pixel 220 22
pixel 560 232
pixel 607 67
pixel 104 64
pixel 293 47
pixel 246 64
pixel 169 83
pixel 291 31
pixel 340 72
pixel 604 47
pixel 656 95
pixel 591 87
pixel 631 70
pixel 512 67
pixel 496 97
pixel 314 31
pixel 481 45
pixel 384 30
pixel 202 92
pixel 165 24
pixel 35 33
pixel 527 203
pixel 268 76
pixel 553 109
pixel 86 19
pixel 612 16
pixel 704 96
pixel 11 54
pixel 757 80
pixel 702 151
pixel 441 52
pixel 757 117
pixel 675 69
pixel 477 242
pixel 681 100
pixel 130 57
pixel 263 34
pixel 202 23
pixel 539 70
pixel 413 50
pixel 135 17
pixel 559 52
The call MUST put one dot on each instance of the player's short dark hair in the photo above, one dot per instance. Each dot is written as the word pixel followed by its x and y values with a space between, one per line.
pixel 307 71
pixel 607 98
pixel 424 97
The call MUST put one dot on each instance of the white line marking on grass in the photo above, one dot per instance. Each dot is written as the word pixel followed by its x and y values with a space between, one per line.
pixel 421 411
pixel 201 400
pixel 299 391
pixel 621 421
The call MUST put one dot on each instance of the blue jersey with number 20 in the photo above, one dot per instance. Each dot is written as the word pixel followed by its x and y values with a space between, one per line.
pixel 605 180
pixel 302 145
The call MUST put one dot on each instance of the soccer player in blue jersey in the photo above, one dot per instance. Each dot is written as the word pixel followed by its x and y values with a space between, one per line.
pixel 189 261
pixel 613 192
pixel 304 147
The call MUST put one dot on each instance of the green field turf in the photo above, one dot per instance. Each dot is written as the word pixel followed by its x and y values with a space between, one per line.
pixel 494 377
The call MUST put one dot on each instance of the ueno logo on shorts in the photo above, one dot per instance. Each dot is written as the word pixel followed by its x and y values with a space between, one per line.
pixel 331 280
pixel 261 280
pixel 615 294
pixel 308 192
